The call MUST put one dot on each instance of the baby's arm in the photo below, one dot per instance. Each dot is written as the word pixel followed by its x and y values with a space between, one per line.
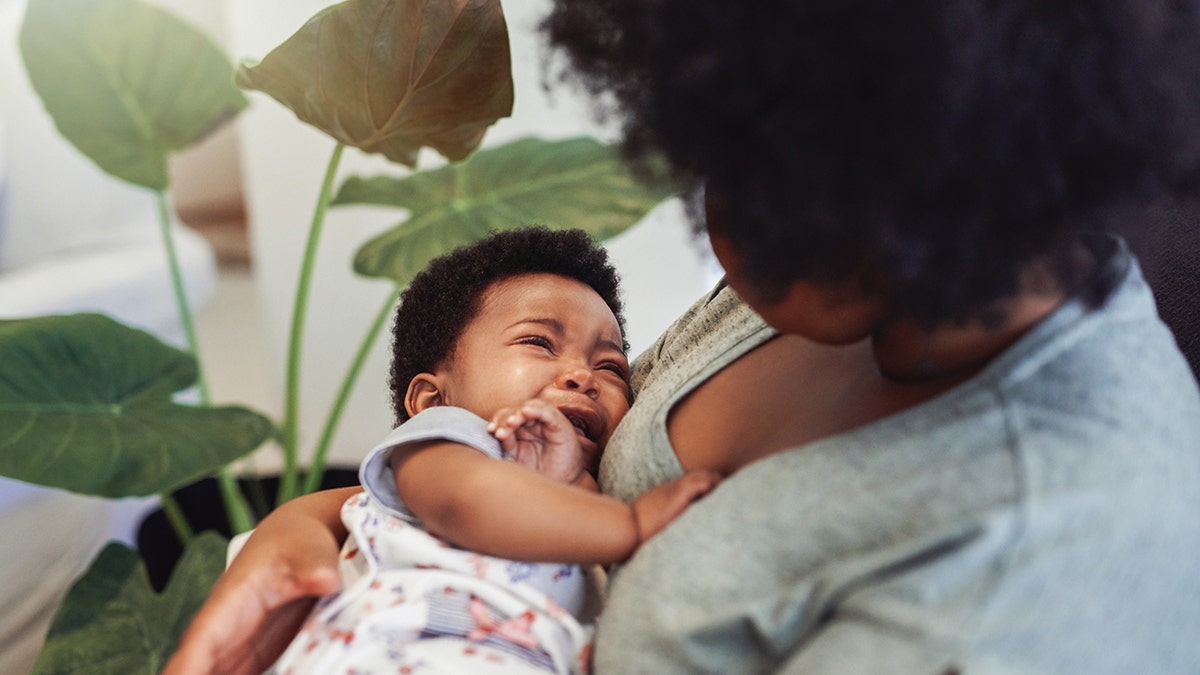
pixel 504 509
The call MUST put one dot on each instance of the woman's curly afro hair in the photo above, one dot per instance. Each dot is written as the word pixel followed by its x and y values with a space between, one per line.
pixel 927 148
pixel 443 299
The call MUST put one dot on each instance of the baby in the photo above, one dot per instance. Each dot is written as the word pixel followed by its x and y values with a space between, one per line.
pixel 508 355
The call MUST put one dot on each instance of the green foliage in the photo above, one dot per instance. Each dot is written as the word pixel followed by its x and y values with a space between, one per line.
pixel 572 183
pixel 391 76
pixel 86 405
pixel 125 101
pixel 113 623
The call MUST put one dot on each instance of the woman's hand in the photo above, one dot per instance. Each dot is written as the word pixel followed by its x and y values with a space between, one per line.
pixel 259 603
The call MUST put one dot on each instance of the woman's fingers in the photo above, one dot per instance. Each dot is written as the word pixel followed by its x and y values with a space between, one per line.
pixel 257 605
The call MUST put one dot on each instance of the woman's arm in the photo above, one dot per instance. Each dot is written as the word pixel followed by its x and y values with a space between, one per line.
pixel 506 510
pixel 257 605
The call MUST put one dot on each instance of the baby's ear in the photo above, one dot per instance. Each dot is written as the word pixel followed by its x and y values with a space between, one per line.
pixel 424 391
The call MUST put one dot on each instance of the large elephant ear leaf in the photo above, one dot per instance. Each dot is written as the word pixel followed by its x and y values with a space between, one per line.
pixel 127 82
pixel 86 404
pixel 112 621
pixel 391 76
pixel 576 183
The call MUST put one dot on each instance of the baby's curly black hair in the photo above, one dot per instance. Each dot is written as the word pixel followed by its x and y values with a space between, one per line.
pixel 442 300
pixel 934 146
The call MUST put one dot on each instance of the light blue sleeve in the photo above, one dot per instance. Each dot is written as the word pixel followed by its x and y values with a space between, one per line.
pixel 443 422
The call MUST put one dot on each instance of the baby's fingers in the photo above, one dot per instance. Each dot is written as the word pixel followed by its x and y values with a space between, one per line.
pixel 498 419
pixel 505 422
pixel 661 504
pixel 537 410
pixel 695 484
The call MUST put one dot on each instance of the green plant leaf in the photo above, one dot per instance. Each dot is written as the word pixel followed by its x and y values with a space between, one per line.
pixel 573 183
pixel 112 621
pixel 391 76
pixel 86 405
pixel 126 82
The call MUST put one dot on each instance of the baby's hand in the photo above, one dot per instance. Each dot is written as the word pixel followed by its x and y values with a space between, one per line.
pixel 538 436
pixel 658 506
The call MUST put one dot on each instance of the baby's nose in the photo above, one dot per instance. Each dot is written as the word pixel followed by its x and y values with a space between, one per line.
pixel 578 378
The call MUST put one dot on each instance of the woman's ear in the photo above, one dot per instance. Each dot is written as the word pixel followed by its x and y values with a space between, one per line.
pixel 424 391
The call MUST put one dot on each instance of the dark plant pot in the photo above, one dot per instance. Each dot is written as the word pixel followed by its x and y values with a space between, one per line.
pixel 202 506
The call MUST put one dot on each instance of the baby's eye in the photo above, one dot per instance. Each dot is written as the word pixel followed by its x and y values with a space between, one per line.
pixel 537 341
pixel 614 367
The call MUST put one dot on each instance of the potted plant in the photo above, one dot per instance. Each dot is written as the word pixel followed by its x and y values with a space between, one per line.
pixel 95 406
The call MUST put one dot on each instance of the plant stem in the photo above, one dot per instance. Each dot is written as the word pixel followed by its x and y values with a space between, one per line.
pixel 316 470
pixel 178 521
pixel 181 299
pixel 235 504
pixel 291 416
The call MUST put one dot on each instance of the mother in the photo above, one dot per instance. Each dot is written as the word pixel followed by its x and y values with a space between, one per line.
pixel 958 438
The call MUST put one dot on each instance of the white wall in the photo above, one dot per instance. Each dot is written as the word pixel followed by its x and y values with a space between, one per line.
pixel 283 161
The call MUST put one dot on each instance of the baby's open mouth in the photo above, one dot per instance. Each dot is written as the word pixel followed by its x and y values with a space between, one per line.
pixel 585 425
pixel 580 425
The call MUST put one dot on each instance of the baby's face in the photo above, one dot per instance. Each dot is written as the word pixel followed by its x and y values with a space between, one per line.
pixel 549 337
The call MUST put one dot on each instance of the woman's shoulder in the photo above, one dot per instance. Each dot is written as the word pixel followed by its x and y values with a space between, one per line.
pixel 719 317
